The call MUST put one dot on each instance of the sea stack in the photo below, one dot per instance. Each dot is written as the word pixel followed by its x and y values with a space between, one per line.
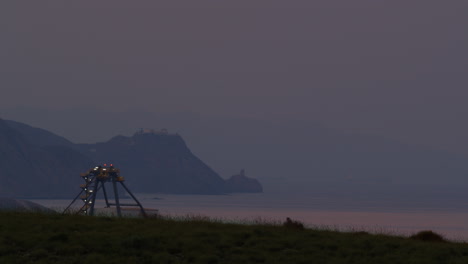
pixel 242 184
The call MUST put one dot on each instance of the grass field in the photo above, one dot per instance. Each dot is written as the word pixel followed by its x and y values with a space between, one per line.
pixel 53 238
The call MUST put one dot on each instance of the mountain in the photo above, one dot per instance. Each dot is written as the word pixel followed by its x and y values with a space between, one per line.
pixel 157 162
pixel 40 137
pixel 29 169
pixel 152 161
pixel 291 156
pixel 284 154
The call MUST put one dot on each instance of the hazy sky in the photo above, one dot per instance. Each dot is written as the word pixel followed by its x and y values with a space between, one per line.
pixel 395 68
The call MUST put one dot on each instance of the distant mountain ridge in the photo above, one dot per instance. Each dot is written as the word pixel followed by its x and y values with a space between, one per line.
pixel 157 163
pixel 37 163
pixel 31 170
pixel 39 136
pixel 298 156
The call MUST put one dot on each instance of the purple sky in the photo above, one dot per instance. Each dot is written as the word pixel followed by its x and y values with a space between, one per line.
pixel 394 68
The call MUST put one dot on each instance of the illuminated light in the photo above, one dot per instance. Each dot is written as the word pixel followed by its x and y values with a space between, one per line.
pixel 105 164
pixel 112 165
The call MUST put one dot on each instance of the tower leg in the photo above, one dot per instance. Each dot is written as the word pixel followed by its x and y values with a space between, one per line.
pixel 93 200
pixel 116 195
pixel 105 195
pixel 143 213
pixel 68 207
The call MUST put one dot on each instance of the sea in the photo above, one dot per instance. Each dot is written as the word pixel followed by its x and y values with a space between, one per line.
pixel 381 216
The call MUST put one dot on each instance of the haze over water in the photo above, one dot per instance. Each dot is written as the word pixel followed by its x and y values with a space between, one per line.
pixel 323 212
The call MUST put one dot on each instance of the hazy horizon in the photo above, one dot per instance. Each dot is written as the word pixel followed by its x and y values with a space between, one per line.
pixel 394 70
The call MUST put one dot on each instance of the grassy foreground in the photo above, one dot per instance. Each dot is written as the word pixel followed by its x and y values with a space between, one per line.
pixel 42 238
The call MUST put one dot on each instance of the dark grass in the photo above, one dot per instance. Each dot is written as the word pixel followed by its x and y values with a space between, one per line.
pixel 53 238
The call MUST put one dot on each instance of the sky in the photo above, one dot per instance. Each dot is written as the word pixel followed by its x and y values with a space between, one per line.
pixel 392 68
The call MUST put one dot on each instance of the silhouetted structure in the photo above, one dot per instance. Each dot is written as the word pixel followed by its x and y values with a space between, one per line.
pixel 95 180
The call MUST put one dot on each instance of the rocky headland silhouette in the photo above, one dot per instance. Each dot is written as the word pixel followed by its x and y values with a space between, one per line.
pixel 36 163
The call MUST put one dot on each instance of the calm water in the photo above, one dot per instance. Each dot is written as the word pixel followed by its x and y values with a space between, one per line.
pixel 384 215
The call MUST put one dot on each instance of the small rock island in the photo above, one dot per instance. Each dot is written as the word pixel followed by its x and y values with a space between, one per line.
pixel 242 184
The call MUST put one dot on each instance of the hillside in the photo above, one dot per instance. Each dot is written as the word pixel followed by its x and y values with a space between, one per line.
pixel 291 154
pixel 38 136
pixel 304 156
pixel 155 162
pixel 41 238
pixel 152 162
pixel 31 170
